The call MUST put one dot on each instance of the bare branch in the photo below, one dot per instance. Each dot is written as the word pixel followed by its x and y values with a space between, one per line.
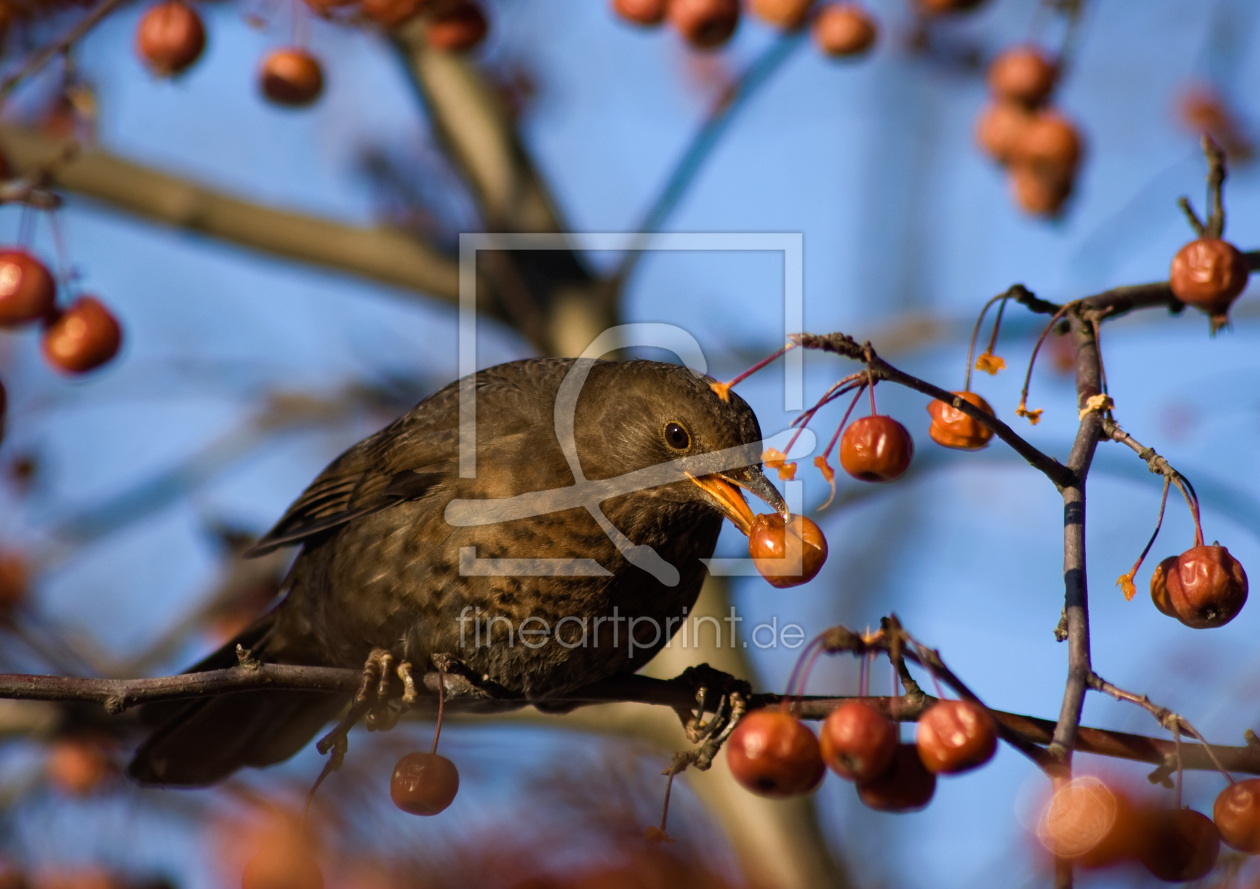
pixel 57 47
pixel 381 254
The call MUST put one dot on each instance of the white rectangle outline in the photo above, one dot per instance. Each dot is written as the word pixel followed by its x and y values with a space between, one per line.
pixel 790 244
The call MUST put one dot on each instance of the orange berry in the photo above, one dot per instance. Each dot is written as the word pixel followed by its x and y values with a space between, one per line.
pixel 291 76
pixel 641 12
pixel 27 289
pixel 1000 128
pixel 787 555
pixel 1090 823
pixel 170 37
pixel 83 337
pixel 844 29
pixel 772 753
pixel 1037 193
pixel 392 13
pixel 781 13
pixel 956 736
pixel 76 766
pixel 1210 274
pixel 424 783
pixel 1207 588
pixel 954 429
pixel 1237 815
pixel 905 786
pixel 857 741
pixel 1159 585
pixel 1051 145
pixel 876 449
pixel 705 24
pixel 1022 74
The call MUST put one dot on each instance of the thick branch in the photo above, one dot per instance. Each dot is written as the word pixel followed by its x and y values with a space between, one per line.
pixel 381 254
pixel 120 694
pixel 1076 590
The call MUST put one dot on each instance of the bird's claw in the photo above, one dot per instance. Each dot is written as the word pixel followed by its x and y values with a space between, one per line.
pixel 377 690
pixel 732 695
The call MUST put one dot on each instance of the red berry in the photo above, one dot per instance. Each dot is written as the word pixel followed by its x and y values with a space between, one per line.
pixel 781 13
pixel 1237 815
pixel 291 76
pixel 857 741
pixel 1000 128
pixel 14 582
pixel 1179 845
pixel 76 766
pixel 83 337
pixel 284 865
pixel 424 783
pixel 705 24
pixel 786 555
pixel 954 429
pixel 1022 74
pixel 772 753
pixel 1207 588
pixel 641 12
pixel 905 786
pixel 1037 193
pixel 1210 274
pixel 955 736
pixel 170 37
pixel 1051 145
pixel 1159 585
pixel 27 289
pixel 1090 823
pixel 392 13
pixel 456 28
pixel 844 29
pixel 876 449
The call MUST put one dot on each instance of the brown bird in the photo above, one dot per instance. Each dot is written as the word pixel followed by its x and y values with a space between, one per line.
pixel 559 546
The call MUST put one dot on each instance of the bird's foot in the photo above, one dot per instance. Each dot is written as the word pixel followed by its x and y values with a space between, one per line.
pixel 721 694
pixel 377 691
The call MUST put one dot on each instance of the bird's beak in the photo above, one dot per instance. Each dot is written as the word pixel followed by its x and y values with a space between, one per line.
pixel 723 490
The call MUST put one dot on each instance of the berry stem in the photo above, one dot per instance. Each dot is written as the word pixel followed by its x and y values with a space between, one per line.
pixel 437 730
pixel 975 334
pixel 723 388
pixel 1163 502
pixel 1023 393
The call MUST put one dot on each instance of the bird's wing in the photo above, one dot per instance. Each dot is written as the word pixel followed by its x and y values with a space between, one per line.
pixel 419 451
pixel 404 461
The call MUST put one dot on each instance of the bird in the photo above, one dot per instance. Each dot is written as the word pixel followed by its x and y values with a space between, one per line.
pixel 536 545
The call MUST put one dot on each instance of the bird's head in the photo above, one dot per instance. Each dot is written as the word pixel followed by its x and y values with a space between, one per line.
pixel 668 425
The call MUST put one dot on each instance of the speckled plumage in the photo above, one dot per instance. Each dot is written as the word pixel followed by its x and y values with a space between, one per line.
pixel 380 562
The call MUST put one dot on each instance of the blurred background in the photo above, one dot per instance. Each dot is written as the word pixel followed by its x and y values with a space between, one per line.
pixel 286 282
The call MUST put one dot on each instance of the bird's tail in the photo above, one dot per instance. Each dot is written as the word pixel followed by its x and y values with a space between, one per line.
pixel 203 741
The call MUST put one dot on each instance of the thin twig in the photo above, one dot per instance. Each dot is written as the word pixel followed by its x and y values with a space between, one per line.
pixel 57 47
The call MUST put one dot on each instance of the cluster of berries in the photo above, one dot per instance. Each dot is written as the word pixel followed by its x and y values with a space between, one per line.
pixel 772 753
pixel 1095 824
pixel 840 29
pixel 76 339
pixel 171 38
pixel 1040 148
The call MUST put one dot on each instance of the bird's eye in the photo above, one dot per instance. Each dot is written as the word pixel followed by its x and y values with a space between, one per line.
pixel 677 437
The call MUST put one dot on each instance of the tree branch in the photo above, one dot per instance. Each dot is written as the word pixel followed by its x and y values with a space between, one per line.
pixel 380 254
